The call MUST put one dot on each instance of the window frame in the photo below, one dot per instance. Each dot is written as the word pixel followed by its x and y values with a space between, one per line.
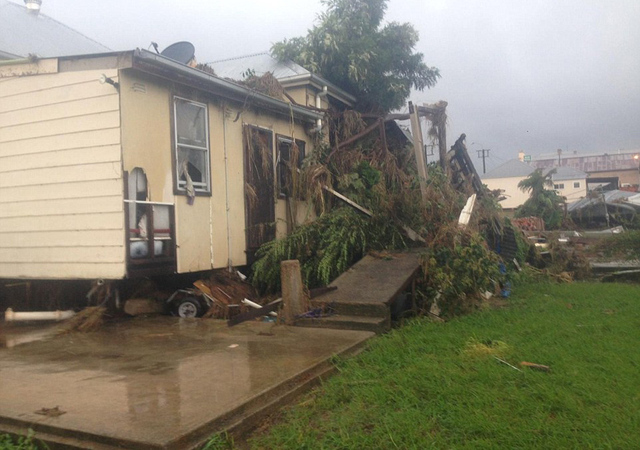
pixel 558 186
pixel 200 188
pixel 576 185
pixel 302 147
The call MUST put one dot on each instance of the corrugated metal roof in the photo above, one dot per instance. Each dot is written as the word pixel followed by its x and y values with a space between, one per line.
pixel 286 72
pixel 610 197
pixel 23 33
pixel 260 63
pixel 567 173
pixel 512 168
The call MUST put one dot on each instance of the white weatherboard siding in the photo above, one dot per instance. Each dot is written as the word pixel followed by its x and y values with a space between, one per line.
pixel 514 195
pixel 61 186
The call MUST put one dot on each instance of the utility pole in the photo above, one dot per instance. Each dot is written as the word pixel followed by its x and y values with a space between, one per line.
pixel 483 153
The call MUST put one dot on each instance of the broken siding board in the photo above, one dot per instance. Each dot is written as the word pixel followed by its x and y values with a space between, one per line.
pixel 85 139
pixel 67 125
pixel 87 255
pixel 35 270
pixel 60 158
pixel 77 222
pixel 58 175
pixel 58 207
pixel 82 189
pixel 81 238
pixel 74 108
pixel 21 85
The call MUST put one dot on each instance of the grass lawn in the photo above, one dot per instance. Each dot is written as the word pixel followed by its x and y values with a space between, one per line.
pixel 438 385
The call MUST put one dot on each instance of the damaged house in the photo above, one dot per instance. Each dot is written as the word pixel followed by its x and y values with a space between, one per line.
pixel 125 164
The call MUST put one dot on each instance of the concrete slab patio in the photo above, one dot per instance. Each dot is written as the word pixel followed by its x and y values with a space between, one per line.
pixel 158 382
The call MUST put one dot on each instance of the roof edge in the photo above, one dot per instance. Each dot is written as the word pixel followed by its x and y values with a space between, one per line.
pixel 234 90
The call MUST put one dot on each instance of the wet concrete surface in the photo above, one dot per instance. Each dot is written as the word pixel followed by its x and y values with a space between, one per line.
pixel 146 382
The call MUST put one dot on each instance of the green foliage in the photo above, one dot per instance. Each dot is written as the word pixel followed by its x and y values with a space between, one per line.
pixel 624 245
pixel 220 441
pixel 325 247
pixel 27 442
pixel 544 203
pixel 352 48
pixel 459 269
pixel 420 386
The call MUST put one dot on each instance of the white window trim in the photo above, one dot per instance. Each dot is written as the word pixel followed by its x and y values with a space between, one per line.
pixel 198 186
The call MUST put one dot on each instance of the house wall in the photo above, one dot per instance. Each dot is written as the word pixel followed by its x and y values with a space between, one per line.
pixel 626 176
pixel 572 193
pixel 61 189
pixel 209 233
pixel 515 197
pixel 306 96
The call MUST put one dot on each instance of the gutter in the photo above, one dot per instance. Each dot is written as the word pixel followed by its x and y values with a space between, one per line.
pixel 142 59
pixel 10 62
pixel 320 82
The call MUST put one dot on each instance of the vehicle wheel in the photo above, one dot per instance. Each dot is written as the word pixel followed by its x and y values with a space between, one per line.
pixel 188 307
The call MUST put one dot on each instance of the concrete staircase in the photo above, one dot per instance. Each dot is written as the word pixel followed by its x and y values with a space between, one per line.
pixel 365 294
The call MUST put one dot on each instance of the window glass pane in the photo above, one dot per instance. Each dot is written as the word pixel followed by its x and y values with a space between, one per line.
pixel 196 164
pixel 191 124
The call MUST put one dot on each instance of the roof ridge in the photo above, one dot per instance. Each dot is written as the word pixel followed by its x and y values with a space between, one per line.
pixel 47 17
pixel 238 57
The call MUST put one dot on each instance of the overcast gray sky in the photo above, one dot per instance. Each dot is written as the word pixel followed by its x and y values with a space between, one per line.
pixel 533 75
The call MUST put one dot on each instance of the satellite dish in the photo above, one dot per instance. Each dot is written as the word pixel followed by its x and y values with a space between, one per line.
pixel 182 52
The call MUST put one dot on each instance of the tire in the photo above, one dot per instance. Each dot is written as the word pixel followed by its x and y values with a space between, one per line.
pixel 188 307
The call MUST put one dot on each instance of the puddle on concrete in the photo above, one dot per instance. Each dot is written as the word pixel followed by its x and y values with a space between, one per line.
pixel 14 334
pixel 155 379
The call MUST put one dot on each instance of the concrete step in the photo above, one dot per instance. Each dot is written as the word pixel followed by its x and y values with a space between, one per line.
pixel 347 322
pixel 348 308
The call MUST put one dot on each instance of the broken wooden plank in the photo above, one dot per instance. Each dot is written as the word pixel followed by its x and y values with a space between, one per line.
pixel 411 234
pixel 534 366
pixel 465 214
pixel 418 149
pixel 348 201
pixel 253 313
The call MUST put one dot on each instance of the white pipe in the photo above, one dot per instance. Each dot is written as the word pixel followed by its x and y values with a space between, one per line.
pixel 226 183
pixel 11 316
pixel 248 302
pixel 319 95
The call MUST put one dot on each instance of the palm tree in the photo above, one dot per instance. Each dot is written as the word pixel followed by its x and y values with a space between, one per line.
pixel 542 202
pixel 536 182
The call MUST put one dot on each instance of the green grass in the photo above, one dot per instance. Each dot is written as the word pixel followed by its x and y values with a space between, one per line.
pixel 8 442
pixel 426 385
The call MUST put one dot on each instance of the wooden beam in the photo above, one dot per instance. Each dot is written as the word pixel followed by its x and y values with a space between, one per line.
pixel 418 149
pixel 348 201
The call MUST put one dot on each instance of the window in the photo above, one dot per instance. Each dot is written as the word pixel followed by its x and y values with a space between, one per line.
pixel 191 132
pixel 576 184
pixel 287 148
pixel 558 186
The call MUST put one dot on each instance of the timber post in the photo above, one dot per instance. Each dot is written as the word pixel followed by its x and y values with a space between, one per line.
pixel 294 298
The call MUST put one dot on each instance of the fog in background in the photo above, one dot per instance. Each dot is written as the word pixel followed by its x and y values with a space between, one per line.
pixel 533 76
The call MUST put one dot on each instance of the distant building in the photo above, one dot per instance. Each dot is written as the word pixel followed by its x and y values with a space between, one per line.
pixel 622 164
pixel 568 182
pixel 25 31
pixel 506 178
